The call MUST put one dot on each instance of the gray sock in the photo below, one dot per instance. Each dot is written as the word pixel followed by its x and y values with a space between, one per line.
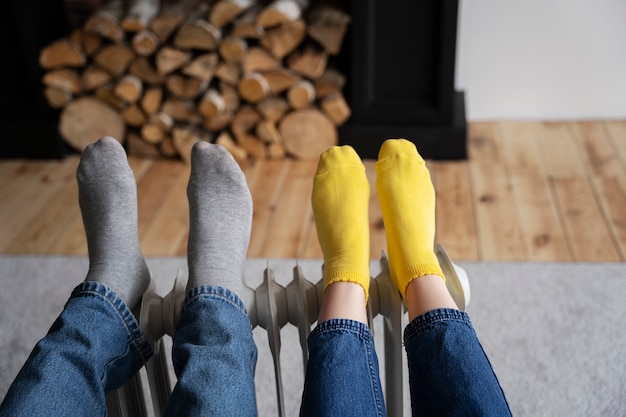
pixel 108 202
pixel 220 218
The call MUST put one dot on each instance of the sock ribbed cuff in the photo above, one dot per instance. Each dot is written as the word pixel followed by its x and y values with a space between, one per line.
pixel 348 274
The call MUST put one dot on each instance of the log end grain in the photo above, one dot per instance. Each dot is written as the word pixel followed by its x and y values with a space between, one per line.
pixel 62 53
pixel 307 133
pixel 86 119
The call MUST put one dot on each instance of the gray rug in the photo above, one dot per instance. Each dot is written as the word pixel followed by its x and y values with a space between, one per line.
pixel 555 333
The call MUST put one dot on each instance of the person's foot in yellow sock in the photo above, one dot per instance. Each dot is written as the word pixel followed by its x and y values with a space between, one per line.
pixel 407 200
pixel 340 201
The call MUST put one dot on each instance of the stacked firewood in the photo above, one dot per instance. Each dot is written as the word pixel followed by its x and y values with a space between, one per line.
pixel 252 76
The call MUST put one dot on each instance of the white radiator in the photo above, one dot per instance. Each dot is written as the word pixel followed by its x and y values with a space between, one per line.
pixel 297 303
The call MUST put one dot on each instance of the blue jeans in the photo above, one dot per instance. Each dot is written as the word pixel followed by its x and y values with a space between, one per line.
pixel 449 373
pixel 96 345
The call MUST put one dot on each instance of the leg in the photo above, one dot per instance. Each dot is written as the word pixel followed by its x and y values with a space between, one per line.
pixel 342 373
pixel 214 353
pixel 449 372
pixel 95 345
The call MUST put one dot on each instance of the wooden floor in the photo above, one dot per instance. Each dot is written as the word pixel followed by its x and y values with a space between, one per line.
pixel 530 191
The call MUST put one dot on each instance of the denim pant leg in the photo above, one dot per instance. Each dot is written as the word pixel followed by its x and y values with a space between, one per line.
pixel 449 373
pixel 93 348
pixel 342 376
pixel 214 357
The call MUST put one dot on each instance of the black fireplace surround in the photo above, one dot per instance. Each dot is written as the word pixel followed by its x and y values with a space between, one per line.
pixel 398 57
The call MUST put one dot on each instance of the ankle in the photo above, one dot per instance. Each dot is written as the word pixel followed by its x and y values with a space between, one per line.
pixel 344 300
pixel 426 293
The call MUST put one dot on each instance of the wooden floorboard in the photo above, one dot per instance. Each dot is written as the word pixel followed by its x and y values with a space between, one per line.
pixel 541 232
pixel 498 235
pixel 530 191
pixel 455 215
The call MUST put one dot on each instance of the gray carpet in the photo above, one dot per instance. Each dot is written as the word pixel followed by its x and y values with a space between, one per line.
pixel 555 333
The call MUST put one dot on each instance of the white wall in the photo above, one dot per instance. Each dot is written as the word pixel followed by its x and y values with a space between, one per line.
pixel 542 59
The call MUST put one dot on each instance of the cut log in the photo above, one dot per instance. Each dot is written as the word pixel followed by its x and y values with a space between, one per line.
pixel 331 82
pixel 225 11
pixel 151 100
pixel 143 69
pixel 310 62
pixel 170 59
pixel 307 133
pixel 245 26
pixel 107 95
pixel 145 43
pixel 218 122
pixel 301 94
pixel 230 97
pixel 115 58
pixel 93 77
pixel 140 14
pixel 106 21
pixel 86 119
pixel 185 87
pixel 336 108
pixel 157 129
pixel 239 154
pixel 273 108
pixel 253 145
pixel 284 39
pixel 129 88
pixel 328 25
pixel 133 116
pixel 167 148
pixel 233 49
pixel 244 121
pixel 138 147
pixel 89 42
pixel 184 138
pixel 268 132
pixel 57 98
pixel 63 79
pixel 172 15
pixel 280 79
pixel 228 72
pixel 181 111
pixel 198 33
pixel 258 59
pixel 163 120
pixel 276 151
pixel 279 12
pixel 62 53
pixel 202 67
pixel 211 104
pixel 253 87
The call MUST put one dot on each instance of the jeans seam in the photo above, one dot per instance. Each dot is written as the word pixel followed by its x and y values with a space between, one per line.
pixel 379 404
pixel 135 334
pixel 364 335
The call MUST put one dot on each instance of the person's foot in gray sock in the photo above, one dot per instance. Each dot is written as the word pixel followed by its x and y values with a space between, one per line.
pixel 107 195
pixel 220 219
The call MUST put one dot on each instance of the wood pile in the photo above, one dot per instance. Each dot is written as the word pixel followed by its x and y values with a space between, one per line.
pixel 252 76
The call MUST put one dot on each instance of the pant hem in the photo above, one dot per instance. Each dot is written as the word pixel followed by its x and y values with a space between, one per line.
pixel 211 291
pixel 137 337
pixel 431 318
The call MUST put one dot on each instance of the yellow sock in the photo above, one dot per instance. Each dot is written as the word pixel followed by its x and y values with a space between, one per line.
pixel 340 206
pixel 407 200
